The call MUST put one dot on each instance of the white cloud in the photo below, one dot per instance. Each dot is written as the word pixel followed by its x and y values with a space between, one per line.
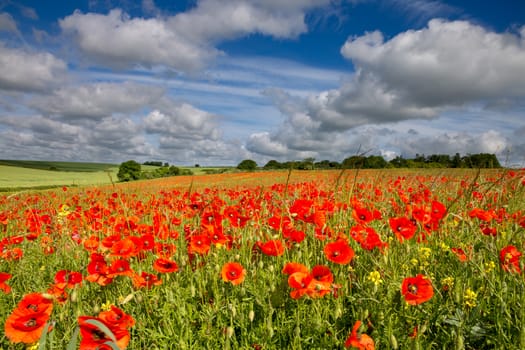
pixel 185 42
pixel 21 70
pixel 417 75
pixel 446 63
pixel 97 100
pixel 183 122
pixel 120 41
pixel 7 23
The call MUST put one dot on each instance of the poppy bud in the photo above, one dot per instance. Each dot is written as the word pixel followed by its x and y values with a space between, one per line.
pixel 338 312
pixel 74 296
pixel 229 331
pixel 393 342
pixel 251 315
pixel 297 331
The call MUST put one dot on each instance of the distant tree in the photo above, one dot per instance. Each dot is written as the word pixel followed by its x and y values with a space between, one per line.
pixel 353 162
pixel 374 162
pixel 173 171
pixel 309 163
pixel 482 160
pixel 398 162
pixel 247 164
pixel 326 164
pixel 129 171
pixel 272 164
pixel 457 161
pixel 153 163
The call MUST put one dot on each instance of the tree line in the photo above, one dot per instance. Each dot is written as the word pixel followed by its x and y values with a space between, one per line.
pixel 132 170
pixel 480 160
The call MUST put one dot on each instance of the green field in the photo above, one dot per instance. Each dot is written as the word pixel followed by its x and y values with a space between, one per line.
pixel 18 175
pixel 16 178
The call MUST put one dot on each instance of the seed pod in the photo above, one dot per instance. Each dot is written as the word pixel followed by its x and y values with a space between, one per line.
pixel 74 296
pixel 393 342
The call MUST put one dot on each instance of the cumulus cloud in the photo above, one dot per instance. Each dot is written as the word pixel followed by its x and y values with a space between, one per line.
pixel 185 42
pixel 117 40
pixel 182 123
pixel 112 139
pixel 96 100
pixel 21 70
pixel 415 75
pixel 446 63
pixel 7 23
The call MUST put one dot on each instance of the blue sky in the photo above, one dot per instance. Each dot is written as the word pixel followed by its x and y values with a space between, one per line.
pixel 214 82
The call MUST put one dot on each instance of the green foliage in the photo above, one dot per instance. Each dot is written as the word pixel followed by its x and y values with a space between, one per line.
pixel 194 309
pixel 247 164
pixel 129 171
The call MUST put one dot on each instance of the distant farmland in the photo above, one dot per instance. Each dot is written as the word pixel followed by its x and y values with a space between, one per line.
pixel 20 174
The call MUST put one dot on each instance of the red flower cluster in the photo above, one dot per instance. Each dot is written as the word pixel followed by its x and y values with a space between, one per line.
pixel 95 336
pixel 27 322
pixel 315 284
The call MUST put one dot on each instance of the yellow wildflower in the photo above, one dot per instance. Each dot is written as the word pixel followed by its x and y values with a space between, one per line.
pixel 106 306
pixel 489 266
pixel 469 298
pixel 375 278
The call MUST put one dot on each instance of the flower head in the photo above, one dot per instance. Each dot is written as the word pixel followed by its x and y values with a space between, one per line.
pixel 339 252
pixel 417 290
pixel 233 272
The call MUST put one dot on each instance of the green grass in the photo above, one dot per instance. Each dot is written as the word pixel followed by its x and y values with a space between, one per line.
pixel 13 178
pixel 476 304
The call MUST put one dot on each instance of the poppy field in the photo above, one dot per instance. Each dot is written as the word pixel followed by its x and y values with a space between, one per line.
pixel 370 259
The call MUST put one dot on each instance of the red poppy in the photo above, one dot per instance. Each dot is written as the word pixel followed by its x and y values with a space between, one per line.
pixel 339 252
pixel 460 253
pixel 69 279
pixel 145 280
pixel 417 290
pixel 321 284
pixel 125 248
pixel 233 272
pixel 4 276
pixel 273 247
pixel 367 237
pixel 199 244
pixel 292 267
pixel 115 317
pixel 362 215
pixel 92 243
pixel 119 267
pixel 164 265
pixel 27 321
pixel 360 341
pixel 23 327
pixel 421 214
pixel 98 270
pixel 35 303
pixel 301 283
pixel 92 337
pixel 438 211
pixel 322 273
pixel 509 258
pixel 403 228
pixel 301 210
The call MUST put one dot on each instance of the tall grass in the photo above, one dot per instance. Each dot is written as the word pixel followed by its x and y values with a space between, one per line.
pixel 477 301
